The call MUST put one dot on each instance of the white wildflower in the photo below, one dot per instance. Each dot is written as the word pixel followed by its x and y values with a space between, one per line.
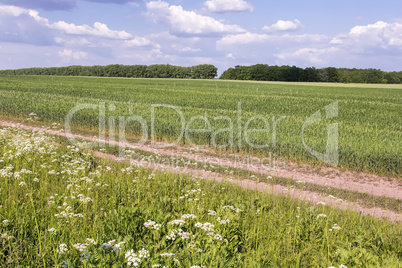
pixel 143 253
pixel 80 247
pixel 152 225
pixel 132 258
pixel 188 216
pixel 62 249
pixel 216 236
pixel 117 247
pixel 237 210
pixel 211 212
pixel 222 221
pixel 91 241
pixel 177 222
pixel 172 236
pixel 208 227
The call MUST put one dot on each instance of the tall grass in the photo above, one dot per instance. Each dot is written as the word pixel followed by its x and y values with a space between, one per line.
pixel 61 207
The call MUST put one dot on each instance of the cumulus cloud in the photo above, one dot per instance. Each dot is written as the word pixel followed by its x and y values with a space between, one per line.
pixel 185 49
pixel 372 40
pixel 306 56
pixel 366 45
pixel 253 47
pixel 283 25
pixel 138 42
pixel 228 6
pixel 21 26
pixel 28 19
pixel 382 34
pixel 252 38
pixel 99 29
pixel 187 23
pixel 69 55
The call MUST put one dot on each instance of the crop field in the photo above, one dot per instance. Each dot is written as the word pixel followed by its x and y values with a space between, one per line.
pixel 220 113
pixel 67 205
pixel 63 207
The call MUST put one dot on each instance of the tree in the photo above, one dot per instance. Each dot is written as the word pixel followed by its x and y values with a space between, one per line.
pixel 259 72
pixel 204 71
pixel 392 78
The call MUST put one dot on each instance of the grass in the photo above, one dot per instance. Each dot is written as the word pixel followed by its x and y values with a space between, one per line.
pixel 363 199
pixel 369 124
pixel 61 207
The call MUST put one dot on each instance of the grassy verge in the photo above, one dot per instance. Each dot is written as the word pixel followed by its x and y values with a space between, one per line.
pixel 61 207
pixel 363 199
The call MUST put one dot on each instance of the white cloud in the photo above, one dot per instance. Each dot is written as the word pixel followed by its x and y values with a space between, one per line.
pixel 364 46
pixel 68 55
pixel 187 23
pixel 12 10
pixel 381 34
pixel 137 42
pixel 283 40
pixel 230 56
pixel 99 30
pixel 185 49
pixel 74 42
pixel 252 48
pixel 21 26
pixel 306 57
pixel 373 39
pixel 284 25
pixel 228 6
pixel 336 41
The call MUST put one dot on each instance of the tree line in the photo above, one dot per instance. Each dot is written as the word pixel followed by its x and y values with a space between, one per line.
pixel 264 72
pixel 258 72
pixel 203 71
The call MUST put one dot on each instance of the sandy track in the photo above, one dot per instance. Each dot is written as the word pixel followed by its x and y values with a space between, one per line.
pixel 328 177
pixel 312 197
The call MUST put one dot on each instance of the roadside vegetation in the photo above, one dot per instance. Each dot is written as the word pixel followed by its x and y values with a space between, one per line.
pixel 63 207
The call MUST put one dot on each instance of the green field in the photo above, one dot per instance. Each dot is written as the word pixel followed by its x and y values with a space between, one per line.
pixel 369 120
pixel 62 207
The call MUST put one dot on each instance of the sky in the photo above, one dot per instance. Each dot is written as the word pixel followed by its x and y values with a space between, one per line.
pixel 225 33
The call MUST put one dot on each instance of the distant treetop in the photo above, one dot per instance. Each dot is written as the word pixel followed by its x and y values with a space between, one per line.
pixel 203 71
pixel 264 72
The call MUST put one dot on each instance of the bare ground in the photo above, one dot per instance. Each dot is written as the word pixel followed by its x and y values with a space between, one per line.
pixel 325 176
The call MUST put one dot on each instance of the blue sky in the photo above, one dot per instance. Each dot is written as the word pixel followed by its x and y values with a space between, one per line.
pixel 226 33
